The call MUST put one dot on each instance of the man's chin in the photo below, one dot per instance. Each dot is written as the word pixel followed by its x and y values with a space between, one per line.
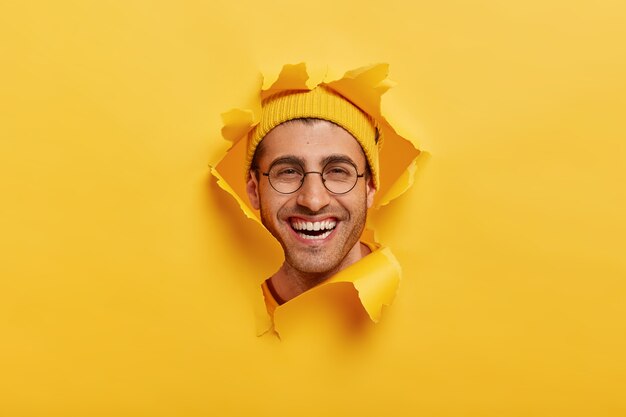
pixel 316 275
pixel 313 268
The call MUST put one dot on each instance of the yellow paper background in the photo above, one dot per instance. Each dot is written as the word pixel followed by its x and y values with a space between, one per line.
pixel 125 288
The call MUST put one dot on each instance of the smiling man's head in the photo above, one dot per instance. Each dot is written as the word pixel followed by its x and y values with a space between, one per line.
pixel 313 173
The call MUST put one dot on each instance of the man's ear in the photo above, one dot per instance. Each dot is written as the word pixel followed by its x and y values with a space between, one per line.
pixel 252 188
pixel 371 191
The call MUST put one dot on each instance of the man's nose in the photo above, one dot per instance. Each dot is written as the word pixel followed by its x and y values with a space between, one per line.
pixel 313 194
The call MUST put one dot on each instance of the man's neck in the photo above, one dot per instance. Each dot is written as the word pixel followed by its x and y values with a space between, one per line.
pixel 289 282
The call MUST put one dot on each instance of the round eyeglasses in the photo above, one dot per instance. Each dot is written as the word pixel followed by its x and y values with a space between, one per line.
pixel 339 177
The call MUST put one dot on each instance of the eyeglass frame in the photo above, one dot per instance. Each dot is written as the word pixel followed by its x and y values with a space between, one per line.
pixel 321 174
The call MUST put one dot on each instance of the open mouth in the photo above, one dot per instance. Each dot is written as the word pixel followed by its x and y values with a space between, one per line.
pixel 313 230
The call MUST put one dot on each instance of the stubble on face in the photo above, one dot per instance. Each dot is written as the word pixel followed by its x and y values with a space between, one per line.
pixel 319 261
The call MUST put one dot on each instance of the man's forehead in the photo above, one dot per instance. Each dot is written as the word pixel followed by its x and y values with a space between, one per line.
pixel 312 140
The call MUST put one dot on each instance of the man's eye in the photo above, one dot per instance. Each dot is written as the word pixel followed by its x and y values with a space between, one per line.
pixel 337 172
pixel 288 173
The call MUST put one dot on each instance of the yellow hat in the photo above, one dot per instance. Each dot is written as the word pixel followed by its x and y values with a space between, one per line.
pixel 319 103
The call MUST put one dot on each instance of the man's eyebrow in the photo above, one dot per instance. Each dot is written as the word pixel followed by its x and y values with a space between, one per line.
pixel 288 159
pixel 337 158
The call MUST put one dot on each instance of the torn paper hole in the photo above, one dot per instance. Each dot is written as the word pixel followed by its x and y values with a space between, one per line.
pixel 376 276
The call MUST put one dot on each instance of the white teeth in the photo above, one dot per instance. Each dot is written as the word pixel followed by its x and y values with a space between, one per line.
pixel 313 226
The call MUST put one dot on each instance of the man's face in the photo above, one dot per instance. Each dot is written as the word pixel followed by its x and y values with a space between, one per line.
pixel 285 215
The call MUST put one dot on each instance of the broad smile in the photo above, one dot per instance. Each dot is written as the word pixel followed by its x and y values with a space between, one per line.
pixel 313 231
